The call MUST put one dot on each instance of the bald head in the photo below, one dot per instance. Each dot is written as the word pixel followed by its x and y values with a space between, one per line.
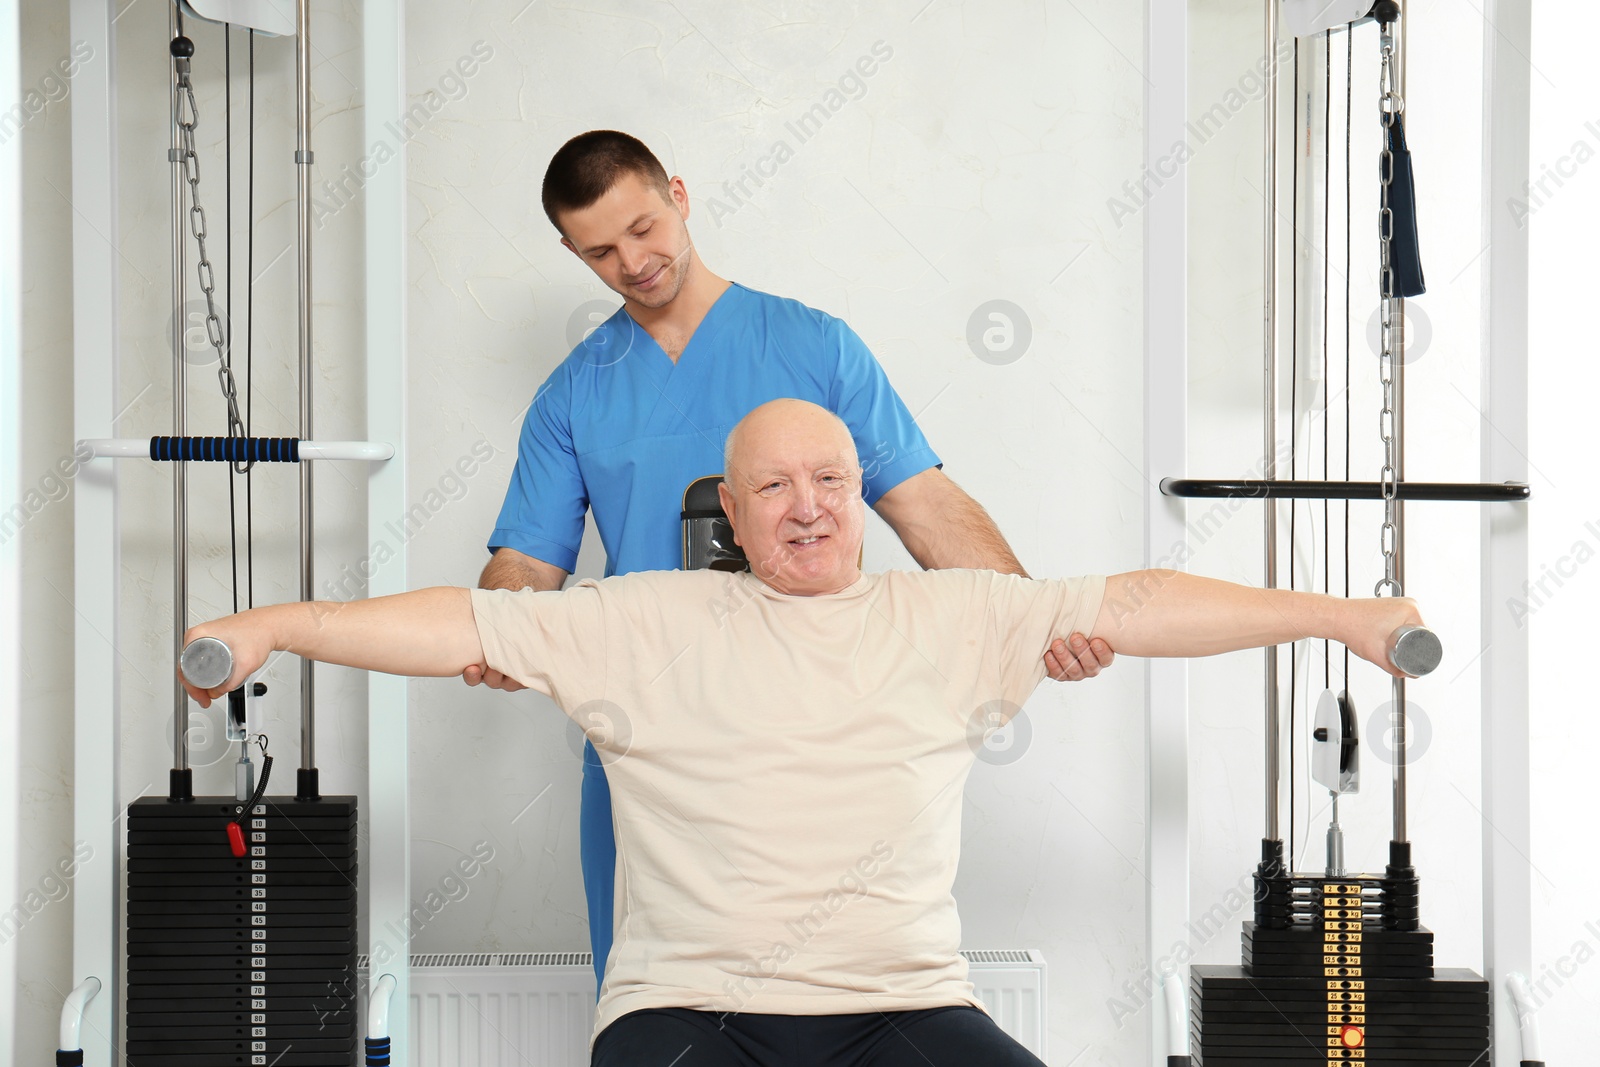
pixel 783 417
pixel 792 490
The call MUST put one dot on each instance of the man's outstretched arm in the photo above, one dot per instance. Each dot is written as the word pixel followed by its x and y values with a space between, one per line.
pixel 943 527
pixel 430 633
pixel 1169 613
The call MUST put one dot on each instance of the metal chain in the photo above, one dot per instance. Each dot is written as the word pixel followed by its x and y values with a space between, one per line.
pixel 1389 105
pixel 190 161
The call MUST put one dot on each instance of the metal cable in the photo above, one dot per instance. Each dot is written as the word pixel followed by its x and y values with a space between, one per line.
pixel 1294 430
pixel 1327 202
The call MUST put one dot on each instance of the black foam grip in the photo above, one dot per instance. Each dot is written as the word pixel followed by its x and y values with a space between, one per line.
pixel 69 1057
pixel 225 449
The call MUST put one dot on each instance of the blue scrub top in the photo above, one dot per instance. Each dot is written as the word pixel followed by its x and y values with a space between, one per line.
pixel 620 428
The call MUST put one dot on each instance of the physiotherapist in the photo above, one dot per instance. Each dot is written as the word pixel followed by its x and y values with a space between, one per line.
pixel 643 405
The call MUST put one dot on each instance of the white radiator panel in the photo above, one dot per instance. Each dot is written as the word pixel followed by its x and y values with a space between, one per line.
pixel 1011 984
pixel 536 1009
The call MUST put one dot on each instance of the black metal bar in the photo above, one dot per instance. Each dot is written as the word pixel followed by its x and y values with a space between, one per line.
pixel 1285 489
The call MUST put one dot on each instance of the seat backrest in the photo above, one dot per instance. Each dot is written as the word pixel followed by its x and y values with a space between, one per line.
pixel 707 535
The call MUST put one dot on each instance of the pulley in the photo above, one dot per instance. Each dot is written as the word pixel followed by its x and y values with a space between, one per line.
pixel 1335 744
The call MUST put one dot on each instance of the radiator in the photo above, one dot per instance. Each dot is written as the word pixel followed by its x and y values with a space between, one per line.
pixel 1011 984
pixel 536 1009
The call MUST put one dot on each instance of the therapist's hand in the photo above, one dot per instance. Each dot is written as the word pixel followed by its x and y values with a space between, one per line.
pixel 510 569
pixel 482 674
pixel 1077 658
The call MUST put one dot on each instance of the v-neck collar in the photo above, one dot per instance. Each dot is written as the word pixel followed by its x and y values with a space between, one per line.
pixel 710 325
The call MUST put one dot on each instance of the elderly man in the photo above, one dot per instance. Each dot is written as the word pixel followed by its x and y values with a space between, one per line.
pixel 787 749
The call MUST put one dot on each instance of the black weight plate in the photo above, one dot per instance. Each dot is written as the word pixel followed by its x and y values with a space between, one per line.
pixel 281 1059
pixel 152 950
pixel 200 882
pixel 279 996
pixel 228 865
pixel 189 969
pixel 242 904
pixel 161 807
pixel 139 1032
pixel 272 1046
pixel 244 889
pixel 217 834
pixel 239 918
pixel 208 1018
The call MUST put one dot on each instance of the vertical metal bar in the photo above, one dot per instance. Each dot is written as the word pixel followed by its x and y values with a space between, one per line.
pixel 1398 703
pixel 303 159
pixel 1401 723
pixel 10 489
pixel 180 394
pixel 387 860
pixel 1270 347
pixel 1166 375
pixel 96 667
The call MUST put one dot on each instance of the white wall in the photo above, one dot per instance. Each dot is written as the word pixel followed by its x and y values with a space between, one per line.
pixel 976 165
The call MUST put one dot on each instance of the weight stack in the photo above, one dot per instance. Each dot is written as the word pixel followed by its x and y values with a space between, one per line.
pixel 1378 953
pixel 1243 1021
pixel 1337 985
pixel 242 962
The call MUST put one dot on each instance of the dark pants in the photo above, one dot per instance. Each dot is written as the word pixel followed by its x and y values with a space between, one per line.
pixel 936 1037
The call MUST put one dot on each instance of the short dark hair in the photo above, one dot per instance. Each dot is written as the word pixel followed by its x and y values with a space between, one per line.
pixel 587 166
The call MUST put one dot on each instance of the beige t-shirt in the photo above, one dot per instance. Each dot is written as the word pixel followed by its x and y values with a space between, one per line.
pixel 786 772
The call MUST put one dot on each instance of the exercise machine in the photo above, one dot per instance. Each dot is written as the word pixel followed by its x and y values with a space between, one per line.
pixel 1337 966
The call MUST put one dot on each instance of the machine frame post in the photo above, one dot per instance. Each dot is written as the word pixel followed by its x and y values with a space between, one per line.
pixel 97 801
pixel 1503 532
pixel 10 489
pixel 1166 327
pixel 388 854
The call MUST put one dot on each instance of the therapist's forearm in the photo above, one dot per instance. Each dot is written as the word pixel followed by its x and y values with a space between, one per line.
pixel 510 569
pixel 942 527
